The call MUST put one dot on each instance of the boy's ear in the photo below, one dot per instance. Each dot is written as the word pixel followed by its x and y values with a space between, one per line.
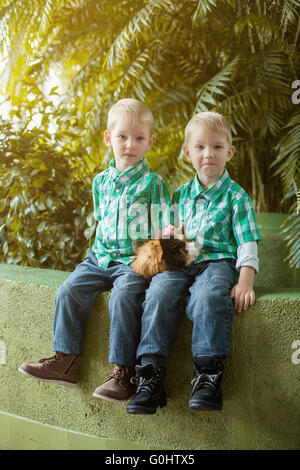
pixel 230 153
pixel 107 138
pixel 186 152
pixel 151 142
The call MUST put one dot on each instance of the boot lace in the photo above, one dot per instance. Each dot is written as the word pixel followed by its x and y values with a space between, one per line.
pixel 205 380
pixel 146 384
pixel 119 373
pixel 57 355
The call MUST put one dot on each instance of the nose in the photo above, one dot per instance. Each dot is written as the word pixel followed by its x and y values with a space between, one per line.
pixel 208 151
pixel 130 143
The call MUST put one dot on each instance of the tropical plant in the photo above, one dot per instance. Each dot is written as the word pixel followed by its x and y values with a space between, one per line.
pixel 45 194
pixel 288 167
pixel 180 57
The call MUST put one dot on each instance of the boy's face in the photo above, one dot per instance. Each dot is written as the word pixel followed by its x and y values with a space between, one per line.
pixel 209 151
pixel 130 141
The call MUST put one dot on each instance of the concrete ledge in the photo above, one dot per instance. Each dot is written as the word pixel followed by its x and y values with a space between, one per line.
pixel 17 432
pixel 260 387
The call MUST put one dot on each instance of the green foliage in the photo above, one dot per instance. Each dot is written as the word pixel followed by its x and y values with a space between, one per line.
pixel 45 208
pixel 236 57
pixel 287 165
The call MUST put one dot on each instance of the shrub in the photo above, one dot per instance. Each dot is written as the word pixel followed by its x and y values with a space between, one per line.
pixel 45 209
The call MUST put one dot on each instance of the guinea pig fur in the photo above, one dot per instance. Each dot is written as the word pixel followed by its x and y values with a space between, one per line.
pixel 157 256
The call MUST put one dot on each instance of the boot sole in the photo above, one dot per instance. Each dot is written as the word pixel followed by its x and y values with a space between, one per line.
pixel 141 410
pixel 59 382
pixel 205 406
pixel 104 397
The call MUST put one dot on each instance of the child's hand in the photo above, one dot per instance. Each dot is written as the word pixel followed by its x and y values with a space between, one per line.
pixel 168 232
pixel 178 231
pixel 243 293
pixel 243 297
pixel 172 231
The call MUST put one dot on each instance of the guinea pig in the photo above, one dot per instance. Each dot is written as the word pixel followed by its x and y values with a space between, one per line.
pixel 157 256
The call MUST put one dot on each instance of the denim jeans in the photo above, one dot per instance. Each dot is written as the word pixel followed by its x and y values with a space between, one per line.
pixel 210 307
pixel 144 318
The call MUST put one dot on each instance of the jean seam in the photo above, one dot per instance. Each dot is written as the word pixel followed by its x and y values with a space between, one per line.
pixel 74 295
pixel 171 298
pixel 228 316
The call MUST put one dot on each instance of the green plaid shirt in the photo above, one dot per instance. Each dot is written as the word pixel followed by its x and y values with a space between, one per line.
pixel 217 220
pixel 130 205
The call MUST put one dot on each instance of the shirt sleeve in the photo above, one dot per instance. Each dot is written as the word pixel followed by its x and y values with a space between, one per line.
pixel 243 220
pixel 247 256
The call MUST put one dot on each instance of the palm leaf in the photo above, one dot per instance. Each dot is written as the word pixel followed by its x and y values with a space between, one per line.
pixel 216 87
pixel 290 11
pixel 291 233
pixel 135 28
pixel 288 159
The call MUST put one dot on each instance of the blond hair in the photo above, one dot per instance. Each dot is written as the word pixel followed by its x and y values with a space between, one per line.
pixel 211 120
pixel 131 109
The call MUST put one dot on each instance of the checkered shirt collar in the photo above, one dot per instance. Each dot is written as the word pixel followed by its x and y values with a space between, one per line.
pixel 215 191
pixel 129 175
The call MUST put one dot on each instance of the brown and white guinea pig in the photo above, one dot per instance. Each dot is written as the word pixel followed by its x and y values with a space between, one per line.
pixel 157 256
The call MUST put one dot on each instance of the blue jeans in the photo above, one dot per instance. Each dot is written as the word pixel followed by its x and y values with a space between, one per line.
pixel 144 318
pixel 210 307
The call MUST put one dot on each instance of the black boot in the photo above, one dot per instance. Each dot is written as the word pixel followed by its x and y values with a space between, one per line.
pixel 150 392
pixel 207 393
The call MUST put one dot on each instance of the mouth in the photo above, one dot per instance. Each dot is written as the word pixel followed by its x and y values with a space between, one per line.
pixel 129 155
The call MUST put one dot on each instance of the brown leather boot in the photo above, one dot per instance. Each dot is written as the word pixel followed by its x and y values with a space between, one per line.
pixel 62 369
pixel 117 387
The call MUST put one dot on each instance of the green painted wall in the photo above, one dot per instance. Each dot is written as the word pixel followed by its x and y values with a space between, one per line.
pixel 261 384
pixel 274 269
pixel 260 387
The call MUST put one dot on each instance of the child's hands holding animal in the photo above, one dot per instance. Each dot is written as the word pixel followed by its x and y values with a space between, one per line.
pixel 173 232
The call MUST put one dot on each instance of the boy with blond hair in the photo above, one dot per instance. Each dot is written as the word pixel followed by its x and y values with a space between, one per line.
pixel 129 204
pixel 218 217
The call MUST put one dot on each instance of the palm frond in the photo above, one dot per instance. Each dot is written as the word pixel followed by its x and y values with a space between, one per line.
pixel 290 11
pixel 288 159
pixel 203 8
pixel 264 26
pixel 216 87
pixel 291 235
pixel 135 28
